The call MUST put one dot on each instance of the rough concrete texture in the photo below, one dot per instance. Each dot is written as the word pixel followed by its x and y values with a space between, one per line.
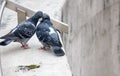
pixel 94 37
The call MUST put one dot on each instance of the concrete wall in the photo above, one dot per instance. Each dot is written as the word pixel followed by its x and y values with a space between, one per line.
pixel 93 44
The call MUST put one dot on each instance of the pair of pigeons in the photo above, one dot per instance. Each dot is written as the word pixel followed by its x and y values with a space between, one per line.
pixel 45 32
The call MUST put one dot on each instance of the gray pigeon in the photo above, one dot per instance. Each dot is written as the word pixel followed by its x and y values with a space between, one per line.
pixel 48 36
pixel 23 31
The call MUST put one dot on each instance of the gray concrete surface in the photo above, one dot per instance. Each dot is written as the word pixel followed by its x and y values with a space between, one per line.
pixel 93 46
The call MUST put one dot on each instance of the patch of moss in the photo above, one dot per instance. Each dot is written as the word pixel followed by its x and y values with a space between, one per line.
pixel 32 67
pixel 28 67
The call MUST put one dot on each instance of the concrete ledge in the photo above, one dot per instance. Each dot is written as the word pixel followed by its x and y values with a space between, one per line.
pixel 13 56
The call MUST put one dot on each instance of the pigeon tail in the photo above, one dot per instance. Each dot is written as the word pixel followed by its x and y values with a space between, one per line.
pixel 58 51
pixel 5 42
pixel 7 36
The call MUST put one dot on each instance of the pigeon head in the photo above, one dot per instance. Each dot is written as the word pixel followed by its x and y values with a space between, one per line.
pixel 38 15
pixel 34 19
pixel 45 17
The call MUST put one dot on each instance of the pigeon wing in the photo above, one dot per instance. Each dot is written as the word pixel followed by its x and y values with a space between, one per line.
pixel 22 31
pixel 25 30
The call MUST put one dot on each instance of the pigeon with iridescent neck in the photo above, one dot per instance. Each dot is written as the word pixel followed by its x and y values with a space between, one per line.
pixel 48 36
pixel 23 31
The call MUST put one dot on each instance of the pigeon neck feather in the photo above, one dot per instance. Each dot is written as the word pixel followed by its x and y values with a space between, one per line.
pixel 33 20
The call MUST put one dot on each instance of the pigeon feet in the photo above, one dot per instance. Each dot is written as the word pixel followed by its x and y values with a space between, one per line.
pixel 45 48
pixel 25 46
pixel 42 48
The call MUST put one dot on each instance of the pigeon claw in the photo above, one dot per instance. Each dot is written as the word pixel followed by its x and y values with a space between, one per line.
pixel 42 48
pixel 25 46
pixel 45 48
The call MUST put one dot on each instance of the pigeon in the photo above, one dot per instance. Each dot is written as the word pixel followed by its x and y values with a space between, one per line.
pixel 22 32
pixel 48 36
